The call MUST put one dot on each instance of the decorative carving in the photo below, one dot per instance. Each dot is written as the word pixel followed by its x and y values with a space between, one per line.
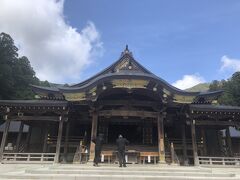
pixel 129 83
pixel 75 96
pixel 183 99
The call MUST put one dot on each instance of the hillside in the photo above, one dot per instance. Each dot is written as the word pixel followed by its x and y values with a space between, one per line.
pixel 199 87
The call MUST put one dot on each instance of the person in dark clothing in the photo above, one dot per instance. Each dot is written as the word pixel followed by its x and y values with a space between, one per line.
pixel 98 141
pixel 121 144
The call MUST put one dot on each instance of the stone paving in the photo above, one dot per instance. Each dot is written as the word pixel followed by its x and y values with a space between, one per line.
pixel 107 172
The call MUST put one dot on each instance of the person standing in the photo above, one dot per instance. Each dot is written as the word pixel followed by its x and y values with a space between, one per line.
pixel 121 144
pixel 98 141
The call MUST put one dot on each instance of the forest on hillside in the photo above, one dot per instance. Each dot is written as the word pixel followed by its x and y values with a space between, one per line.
pixel 16 74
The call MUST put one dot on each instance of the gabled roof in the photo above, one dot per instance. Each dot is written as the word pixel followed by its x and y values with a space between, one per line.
pixel 126 67
pixel 127 58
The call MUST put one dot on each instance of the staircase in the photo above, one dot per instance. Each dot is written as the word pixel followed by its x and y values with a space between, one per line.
pixel 106 172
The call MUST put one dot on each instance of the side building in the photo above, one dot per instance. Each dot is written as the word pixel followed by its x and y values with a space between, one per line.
pixel 163 124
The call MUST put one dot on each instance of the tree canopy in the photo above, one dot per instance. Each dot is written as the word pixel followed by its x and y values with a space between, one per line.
pixel 16 72
pixel 231 87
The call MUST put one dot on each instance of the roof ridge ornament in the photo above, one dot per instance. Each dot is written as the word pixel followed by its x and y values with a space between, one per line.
pixel 126 51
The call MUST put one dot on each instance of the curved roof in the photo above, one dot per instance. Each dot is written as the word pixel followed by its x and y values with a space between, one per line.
pixel 126 67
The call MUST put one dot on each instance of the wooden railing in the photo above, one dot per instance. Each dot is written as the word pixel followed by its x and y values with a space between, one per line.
pixel 71 139
pixel 219 161
pixel 28 157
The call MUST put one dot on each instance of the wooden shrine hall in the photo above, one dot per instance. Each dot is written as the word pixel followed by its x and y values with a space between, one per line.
pixel 163 124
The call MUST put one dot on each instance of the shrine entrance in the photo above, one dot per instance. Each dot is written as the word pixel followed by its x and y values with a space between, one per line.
pixel 132 132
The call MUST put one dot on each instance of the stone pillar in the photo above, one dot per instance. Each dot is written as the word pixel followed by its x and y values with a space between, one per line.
pixel 161 147
pixel 93 134
pixel 229 141
pixel 19 136
pixel 184 145
pixel 194 143
pixel 4 137
pixel 59 139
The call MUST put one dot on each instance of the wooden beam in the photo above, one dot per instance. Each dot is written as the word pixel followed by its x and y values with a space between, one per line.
pixel 130 102
pixel 194 143
pixel 4 138
pixel 59 139
pixel 36 118
pixel 93 134
pixel 19 136
pixel 128 113
pixel 161 147
pixel 216 123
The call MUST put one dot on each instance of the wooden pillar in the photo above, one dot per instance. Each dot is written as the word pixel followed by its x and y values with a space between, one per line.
pixel 4 137
pixel 194 143
pixel 45 139
pixel 161 147
pixel 229 141
pixel 184 145
pixel 59 139
pixel 93 135
pixel 19 136
pixel 66 141
pixel 203 134
pixel 220 143
pixel 27 143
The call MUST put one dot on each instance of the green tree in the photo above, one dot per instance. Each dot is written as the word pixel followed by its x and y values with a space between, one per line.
pixel 8 56
pixel 231 87
pixel 16 72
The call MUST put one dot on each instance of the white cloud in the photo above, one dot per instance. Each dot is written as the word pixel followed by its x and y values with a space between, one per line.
pixel 57 51
pixel 230 64
pixel 188 81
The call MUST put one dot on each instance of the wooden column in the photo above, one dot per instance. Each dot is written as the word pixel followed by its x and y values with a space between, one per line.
pixel 45 139
pixel 93 135
pixel 27 143
pixel 19 136
pixel 203 134
pixel 59 139
pixel 229 141
pixel 4 137
pixel 161 147
pixel 184 144
pixel 194 143
pixel 66 141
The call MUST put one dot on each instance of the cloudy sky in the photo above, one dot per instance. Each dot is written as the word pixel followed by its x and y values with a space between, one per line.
pixel 184 42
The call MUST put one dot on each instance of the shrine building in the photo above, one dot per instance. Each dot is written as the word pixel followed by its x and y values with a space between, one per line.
pixel 163 123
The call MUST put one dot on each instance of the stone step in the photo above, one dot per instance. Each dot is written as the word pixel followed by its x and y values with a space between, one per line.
pixel 133 168
pixel 132 173
pixel 87 172
pixel 108 177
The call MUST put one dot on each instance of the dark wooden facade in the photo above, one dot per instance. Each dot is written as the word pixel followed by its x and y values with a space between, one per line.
pixel 161 121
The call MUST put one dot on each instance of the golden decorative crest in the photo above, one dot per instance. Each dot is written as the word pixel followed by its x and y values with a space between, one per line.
pixel 75 96
pixel 183 99
pixel 129 83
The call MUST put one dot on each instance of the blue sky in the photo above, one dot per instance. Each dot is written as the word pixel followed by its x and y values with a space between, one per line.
pixel 171 38
pixel 180 41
